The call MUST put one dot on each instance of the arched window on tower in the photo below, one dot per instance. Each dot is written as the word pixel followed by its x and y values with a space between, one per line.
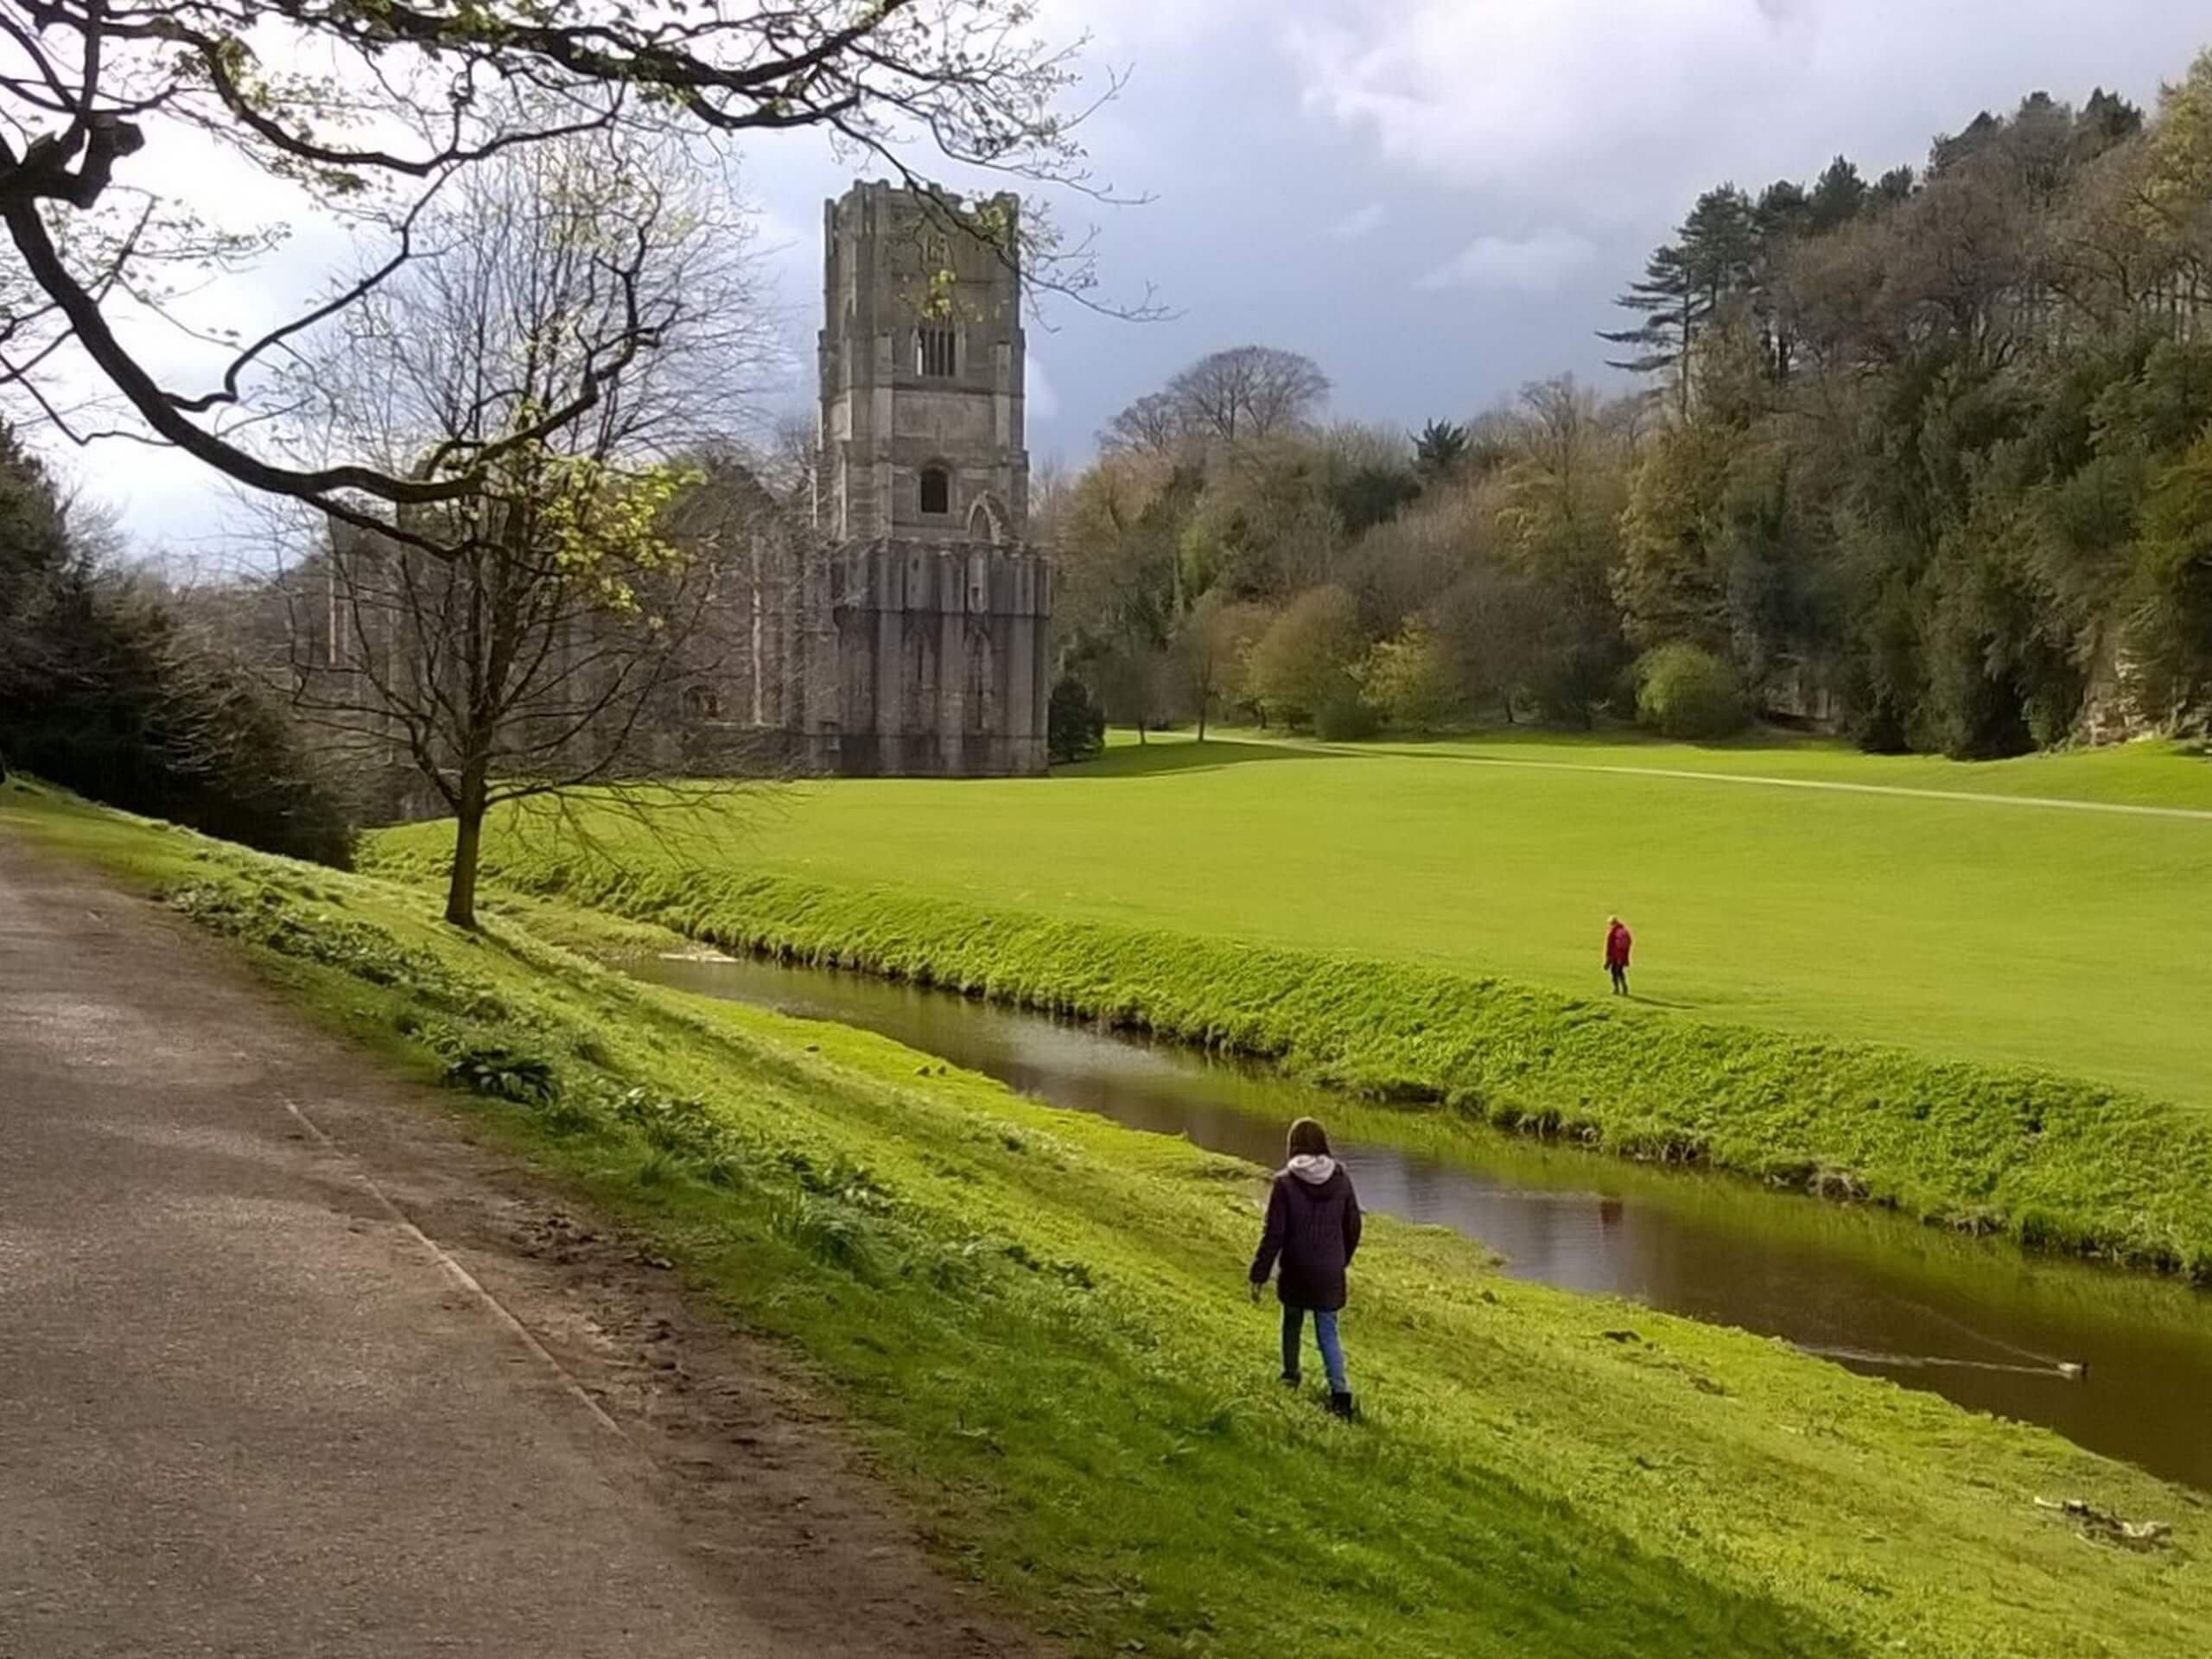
pixel 986 520
pixel 937 490
pixel 937 351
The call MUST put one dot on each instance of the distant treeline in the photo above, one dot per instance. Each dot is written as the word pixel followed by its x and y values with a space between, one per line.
pixel 1927 456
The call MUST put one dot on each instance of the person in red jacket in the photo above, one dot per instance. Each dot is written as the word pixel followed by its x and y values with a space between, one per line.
pixel 1618 940
pixel 1313 1229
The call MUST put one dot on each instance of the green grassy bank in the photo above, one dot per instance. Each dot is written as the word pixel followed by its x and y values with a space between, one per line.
pixel 1979 928
pixel 1037 1319
pixel 2060 1164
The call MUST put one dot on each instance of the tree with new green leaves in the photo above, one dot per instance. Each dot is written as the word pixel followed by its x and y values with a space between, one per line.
pixel 1264 518
pixel 2175 195
pixel 2168 615
pixel 1670 583
pixel 1211 650
pixel 1559 507
pixel 1489 625
pixel 1684 691
pixel 1407 679
pixel 1117 593
pixel 366 113
pixel 517 643
pixel 1303 663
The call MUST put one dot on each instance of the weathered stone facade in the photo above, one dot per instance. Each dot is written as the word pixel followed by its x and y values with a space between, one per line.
pixel 922 365
pixel 887 620
pixel 905 630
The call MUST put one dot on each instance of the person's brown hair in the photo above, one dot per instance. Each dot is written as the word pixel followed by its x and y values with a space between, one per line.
pixel 1308 1138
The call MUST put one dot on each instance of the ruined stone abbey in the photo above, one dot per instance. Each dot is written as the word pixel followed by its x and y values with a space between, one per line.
pixel 905 630
pixel 885 618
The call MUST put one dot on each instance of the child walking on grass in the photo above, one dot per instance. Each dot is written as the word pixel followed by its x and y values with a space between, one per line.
pixel 1313 1228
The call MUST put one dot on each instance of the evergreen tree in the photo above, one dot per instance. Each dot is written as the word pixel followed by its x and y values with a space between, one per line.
pixel 1440 448
pixel 1838 196
pixel 1667 297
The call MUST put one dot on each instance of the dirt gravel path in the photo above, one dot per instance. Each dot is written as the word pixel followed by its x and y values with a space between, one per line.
pixel 289 1367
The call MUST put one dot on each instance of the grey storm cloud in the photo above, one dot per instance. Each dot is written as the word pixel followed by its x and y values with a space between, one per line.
pixel 1438 199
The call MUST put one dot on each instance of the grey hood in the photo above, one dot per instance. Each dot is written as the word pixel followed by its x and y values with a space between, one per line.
pixel 1315 1168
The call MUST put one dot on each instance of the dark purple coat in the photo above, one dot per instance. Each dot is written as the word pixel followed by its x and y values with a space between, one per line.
pixel 1314 1228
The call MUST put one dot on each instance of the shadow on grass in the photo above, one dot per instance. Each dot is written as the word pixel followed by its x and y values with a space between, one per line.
pixel 1175 752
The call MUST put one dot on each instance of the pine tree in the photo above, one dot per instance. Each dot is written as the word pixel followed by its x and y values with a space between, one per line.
pixel 1668 300
pixel 1838 196
pixel 1684 283
pixel 1440 448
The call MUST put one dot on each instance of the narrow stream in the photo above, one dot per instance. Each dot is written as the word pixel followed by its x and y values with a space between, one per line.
pixel 1972 1320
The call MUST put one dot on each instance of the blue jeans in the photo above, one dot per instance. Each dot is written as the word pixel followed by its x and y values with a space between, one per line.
pixel 1325 1339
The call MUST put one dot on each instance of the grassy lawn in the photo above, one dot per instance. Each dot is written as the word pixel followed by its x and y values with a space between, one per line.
pixel 2163 775
pixel 1038 1318
pixel 1989 932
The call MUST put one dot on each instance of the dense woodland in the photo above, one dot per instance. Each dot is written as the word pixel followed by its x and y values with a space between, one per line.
pixel 115 684
pixel 1927 455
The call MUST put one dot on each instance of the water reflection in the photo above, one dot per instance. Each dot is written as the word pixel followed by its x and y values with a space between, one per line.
pixel 2118 1364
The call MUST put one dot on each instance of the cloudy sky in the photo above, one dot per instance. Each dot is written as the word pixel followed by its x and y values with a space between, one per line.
pixel 1435 198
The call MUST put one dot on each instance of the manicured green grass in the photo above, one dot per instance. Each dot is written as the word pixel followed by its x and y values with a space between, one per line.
pixel 2002 932
pixel 1038 1318
pixel 2170 776
pixel 2059 1164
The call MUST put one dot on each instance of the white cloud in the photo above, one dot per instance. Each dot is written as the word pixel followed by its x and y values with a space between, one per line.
pixel 1609 105
pixel 1529 265
pixel 1361 222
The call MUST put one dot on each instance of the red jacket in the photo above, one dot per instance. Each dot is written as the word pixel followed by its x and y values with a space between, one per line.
pixel 1617 941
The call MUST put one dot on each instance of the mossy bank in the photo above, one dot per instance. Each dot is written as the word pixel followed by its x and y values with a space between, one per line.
pixel 1037 1319
pixel 2058 1163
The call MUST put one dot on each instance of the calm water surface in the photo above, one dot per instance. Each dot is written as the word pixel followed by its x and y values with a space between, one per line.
pixel 1972 1320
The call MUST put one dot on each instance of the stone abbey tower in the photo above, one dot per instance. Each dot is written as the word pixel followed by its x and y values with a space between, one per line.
pixel 887 619
pixel 938 613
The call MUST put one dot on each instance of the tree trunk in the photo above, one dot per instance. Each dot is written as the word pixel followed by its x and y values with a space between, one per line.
pixel 467 848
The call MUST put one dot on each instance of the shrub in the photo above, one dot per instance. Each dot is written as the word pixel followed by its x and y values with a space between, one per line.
pixel 1408 680
pixel 504 1074
pixel 1074 727
pixel 1344 718
pixel 1304 660
pixel 1684 691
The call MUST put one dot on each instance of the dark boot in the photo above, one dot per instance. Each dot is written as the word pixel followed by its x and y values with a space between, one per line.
pixel 1340 1405
pixel 1289 1379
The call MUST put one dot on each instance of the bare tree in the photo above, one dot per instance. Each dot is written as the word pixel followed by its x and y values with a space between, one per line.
pixel 519 643
pixel 1250 392
pixel 1246 394
pixel 363 113
pixel 1157 424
